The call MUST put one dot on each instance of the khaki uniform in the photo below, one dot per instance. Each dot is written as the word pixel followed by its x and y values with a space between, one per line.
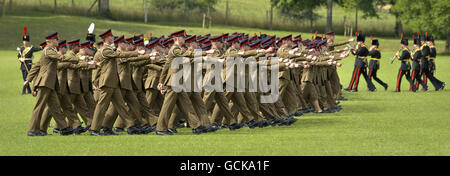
pixel 108 82
pixel 46 85
pixel 172 98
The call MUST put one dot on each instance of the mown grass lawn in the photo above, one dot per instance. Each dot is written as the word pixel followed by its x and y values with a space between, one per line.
pixel 371 123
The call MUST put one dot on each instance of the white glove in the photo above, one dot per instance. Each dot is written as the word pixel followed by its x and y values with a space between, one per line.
pixel 210 51
pixel 141 52
pixel 22 59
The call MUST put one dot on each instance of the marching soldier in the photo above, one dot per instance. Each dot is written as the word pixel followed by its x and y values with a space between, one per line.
pixel 427 65
pixel 25 57
pixel 361 52
pixel 172 98
pixel 405 66
pixel 46 86
pixel 108 84
pixel 374 63
pixel 416 59
pixel 334 77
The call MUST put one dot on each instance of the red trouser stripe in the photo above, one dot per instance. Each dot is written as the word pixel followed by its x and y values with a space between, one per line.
pixel 353 79
pixel 398 80
pixel 413 78
pixel 357 79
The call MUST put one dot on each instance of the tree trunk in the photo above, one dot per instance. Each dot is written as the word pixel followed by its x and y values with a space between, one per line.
pixel 447 45
pixel 4 7
pixel 185 10
pixel 73 3
pixel 226 13
pixel 311 20
pixel 54 7
pixel 10 4
pixel 145 12
pixel 271 15
pixel 356 19
pixel 330 16
pixel 103 8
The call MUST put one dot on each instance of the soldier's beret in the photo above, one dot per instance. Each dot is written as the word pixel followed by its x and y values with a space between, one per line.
pixel 119 39
pixel 153 43
pixel 106 34
pixel 243 42
pixel 206 47
pixel 289 37
pixel 232 39
pixel 216 38
pixel 85 44
pixel 43 44
pixel 62 43
pixel 53 35
pixel 267 45
pixel 178 33
pixel 139 42
pixel 254 44
pixel 75 42
pixel 100 44
pixel 190 39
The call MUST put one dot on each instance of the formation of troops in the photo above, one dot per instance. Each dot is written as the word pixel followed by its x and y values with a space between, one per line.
pixel 126 84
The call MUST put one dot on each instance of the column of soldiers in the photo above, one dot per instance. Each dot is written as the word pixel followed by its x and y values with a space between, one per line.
pixel 423 65
pixel 128 84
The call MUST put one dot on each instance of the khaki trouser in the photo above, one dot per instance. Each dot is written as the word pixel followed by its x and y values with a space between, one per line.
pixel 335 83
pixel 90 102
pixel 221 102
pixel 81 107
pixel 239 103
pixel 181 99
pixel 68 110
pixel 107 95
pixel 133 110
pixel 46 97
pixel 155 99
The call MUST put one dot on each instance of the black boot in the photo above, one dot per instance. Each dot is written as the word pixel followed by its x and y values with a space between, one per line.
pixel 108 132
pixel 95 133
pixel 67 131
pixel 173 131
pixel 134 130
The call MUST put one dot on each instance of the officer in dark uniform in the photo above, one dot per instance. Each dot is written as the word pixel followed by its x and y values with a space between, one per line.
pixel 405 66
pixel 426 64
pixel 374 63
pixel 416 59
pixel 361 52
pixel 25 57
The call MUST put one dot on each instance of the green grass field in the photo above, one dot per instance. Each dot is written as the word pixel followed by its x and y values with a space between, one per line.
pixel 371 123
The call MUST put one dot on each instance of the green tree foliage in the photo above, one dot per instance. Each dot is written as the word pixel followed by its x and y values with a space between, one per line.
pixel 299 9
pixel 431 16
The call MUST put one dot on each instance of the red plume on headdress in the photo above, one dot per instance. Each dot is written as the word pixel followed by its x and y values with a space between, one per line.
pixel 359 31
pixel 426 34
pixel 259 33
pixel 414 36
pixel 356 33
pixel 371 37
pixel 134 33
pixel 418 34
pixel 401 36
pixel 150 34
pixel 322 35
pixel 147 35
pixel 25 30
pixel 255 34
